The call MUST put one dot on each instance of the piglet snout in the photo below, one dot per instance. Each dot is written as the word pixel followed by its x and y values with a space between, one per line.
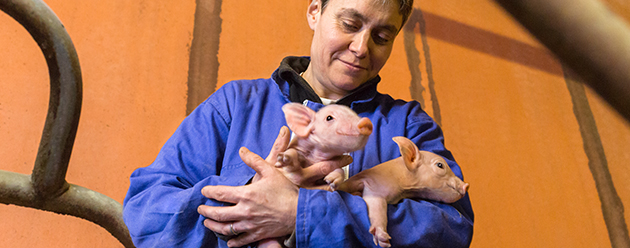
pixel 365 126
pixel 464 189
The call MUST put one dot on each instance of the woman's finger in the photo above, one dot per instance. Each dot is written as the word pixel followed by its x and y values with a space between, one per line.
pixel 321 169
pixel 280 145
pixel 221 193
pixel 254 161
pixel 221 214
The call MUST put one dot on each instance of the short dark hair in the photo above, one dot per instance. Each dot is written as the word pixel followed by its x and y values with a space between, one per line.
pixel 405 8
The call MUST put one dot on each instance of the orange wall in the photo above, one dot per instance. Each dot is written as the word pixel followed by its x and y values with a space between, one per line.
pixel 134 61
pixel 503 104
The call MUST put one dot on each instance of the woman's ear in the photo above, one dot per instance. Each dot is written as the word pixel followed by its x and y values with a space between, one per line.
pixel 313 13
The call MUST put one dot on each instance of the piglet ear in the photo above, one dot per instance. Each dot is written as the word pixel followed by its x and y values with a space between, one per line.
pixel 409 151
pixel 299 118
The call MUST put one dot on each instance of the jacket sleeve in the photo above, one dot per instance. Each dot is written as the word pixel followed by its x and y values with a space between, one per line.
pixel 160 208
pixel 338 219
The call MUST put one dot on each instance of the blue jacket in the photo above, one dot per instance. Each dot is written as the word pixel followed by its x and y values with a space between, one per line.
pixel 160 208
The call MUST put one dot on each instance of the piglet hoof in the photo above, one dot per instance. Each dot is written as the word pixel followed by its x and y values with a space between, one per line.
pixel 333 182
pixel 332 186
pixel 281 160
pixel 334 179
pixel 381 238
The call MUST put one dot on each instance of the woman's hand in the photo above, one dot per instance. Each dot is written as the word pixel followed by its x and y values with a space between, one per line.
pixel 263 209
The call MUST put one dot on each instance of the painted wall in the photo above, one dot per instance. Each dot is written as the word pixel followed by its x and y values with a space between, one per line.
pixel 505 104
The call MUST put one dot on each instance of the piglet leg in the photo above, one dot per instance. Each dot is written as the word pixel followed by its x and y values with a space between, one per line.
pixel 289 160
pixel 269 243
pixel 377 212
pixel 335 178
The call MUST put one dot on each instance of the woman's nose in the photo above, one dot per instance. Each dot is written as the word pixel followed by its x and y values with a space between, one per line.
pixel 359 45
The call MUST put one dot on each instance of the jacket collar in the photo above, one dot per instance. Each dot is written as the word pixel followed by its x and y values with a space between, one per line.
pixel 299 90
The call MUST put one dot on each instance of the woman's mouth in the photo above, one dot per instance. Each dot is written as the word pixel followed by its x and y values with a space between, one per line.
pixel 353 66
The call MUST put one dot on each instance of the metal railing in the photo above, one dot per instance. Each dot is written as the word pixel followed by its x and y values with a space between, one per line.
pixel 46 188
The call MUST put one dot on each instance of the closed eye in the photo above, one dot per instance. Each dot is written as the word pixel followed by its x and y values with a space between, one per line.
pixel 349 27
pixel 382 36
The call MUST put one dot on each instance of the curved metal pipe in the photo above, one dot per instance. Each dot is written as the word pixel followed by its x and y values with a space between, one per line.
pixel 64 105
pixel 17 189
pixel 47 188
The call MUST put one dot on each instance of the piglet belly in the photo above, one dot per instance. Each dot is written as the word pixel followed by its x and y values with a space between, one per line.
pixel 384 188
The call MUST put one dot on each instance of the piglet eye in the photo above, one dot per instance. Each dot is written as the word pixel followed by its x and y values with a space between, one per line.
pixel 329 118
pixel 440 165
